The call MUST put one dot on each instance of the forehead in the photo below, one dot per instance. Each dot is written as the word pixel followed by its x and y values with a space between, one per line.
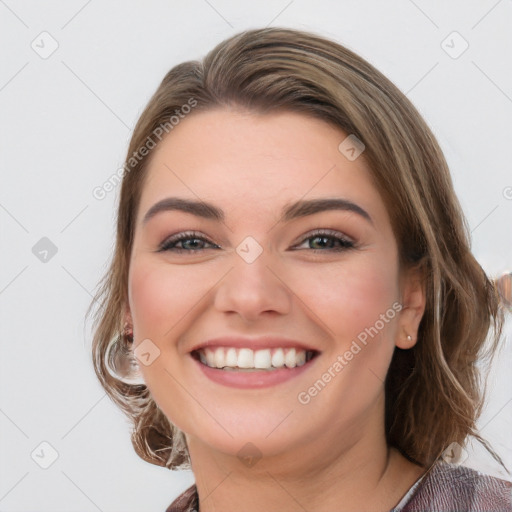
pixel 244 160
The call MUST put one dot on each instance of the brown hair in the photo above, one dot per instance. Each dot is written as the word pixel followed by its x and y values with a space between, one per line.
pixel 433 390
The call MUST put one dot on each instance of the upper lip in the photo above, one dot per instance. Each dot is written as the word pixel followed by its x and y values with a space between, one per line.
pixel 252 343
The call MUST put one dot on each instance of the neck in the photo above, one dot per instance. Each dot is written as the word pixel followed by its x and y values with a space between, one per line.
pixel 359 473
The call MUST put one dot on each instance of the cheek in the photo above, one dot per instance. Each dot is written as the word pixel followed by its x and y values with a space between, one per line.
pixel 351 298
pixel 356 303
pixel 161 296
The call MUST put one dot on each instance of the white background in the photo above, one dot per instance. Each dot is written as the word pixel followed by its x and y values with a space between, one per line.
pixel 65 125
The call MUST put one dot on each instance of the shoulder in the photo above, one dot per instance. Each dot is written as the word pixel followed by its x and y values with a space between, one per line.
pixel 185 502
pixel 450 487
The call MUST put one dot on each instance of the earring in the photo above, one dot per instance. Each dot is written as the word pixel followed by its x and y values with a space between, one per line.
pixel 409 337
pixel 120 362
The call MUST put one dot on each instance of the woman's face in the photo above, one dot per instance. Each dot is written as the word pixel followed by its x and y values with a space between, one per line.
pixel 260 271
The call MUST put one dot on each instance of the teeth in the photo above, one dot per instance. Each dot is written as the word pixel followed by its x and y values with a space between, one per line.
pixel 246 359
pixel 262 359
pixel 278 358
pixel 231 357
pixel 218 358
pixel 289 359
pixel 210 357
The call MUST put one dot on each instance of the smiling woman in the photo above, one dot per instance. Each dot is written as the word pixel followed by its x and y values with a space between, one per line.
pixel 292 309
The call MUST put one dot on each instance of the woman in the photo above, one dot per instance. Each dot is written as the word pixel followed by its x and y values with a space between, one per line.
pixel 292 307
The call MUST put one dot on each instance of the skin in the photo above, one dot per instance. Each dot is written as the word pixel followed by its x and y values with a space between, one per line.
pixel 330 454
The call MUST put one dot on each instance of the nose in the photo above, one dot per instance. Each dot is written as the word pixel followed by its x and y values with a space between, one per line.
pixel 251 289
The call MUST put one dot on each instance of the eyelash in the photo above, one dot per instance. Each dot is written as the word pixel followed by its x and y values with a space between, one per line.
pixel 169 243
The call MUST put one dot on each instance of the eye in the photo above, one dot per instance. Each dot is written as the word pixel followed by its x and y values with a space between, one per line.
pixel 329 240
pixel 197 242
pixel 193 242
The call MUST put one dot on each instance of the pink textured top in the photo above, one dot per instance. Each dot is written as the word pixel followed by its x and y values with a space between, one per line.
pixel 444 488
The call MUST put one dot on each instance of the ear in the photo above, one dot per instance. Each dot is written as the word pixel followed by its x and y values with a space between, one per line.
pixel 413 292
pixel 128 320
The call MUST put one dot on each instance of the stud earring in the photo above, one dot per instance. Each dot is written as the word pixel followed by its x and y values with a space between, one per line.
pixel 409 337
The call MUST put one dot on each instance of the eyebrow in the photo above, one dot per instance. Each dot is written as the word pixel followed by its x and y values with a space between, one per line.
pixel 290 211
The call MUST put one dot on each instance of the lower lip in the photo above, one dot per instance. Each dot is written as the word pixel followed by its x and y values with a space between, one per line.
pixel 253 380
